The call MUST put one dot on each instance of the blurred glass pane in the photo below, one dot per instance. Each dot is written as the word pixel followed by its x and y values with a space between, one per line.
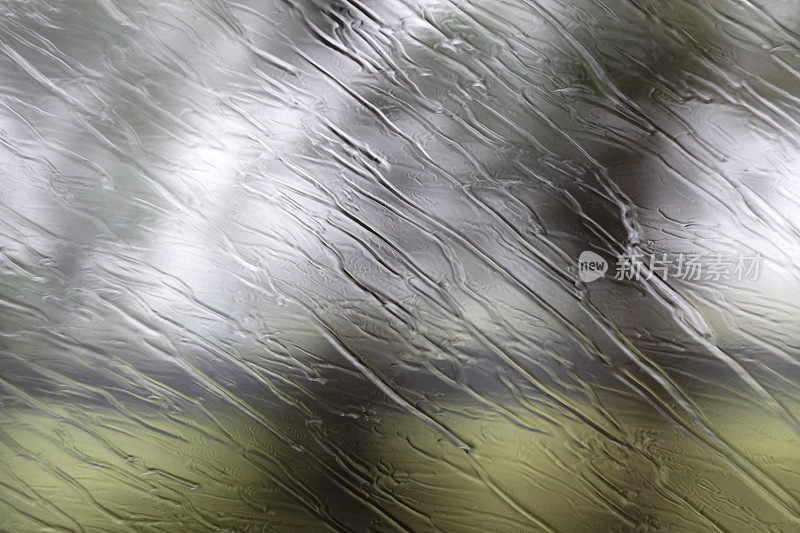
pixel 458 265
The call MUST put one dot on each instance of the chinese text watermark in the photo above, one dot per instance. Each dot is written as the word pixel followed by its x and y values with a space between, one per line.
pixel 690 267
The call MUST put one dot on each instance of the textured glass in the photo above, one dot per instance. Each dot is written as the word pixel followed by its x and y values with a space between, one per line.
pixel 424 265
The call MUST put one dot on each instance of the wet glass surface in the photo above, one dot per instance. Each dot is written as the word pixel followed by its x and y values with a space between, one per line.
pixel 353 265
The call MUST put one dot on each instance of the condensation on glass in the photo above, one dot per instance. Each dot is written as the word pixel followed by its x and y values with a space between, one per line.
pixel 351 265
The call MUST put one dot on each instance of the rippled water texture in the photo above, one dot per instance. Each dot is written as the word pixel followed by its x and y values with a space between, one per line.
pixel 306 265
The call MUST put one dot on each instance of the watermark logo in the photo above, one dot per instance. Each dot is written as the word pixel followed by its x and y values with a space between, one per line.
pixel 591 266
pixel 689 267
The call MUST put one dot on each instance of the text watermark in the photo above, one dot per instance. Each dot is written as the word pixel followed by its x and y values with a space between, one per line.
pixel 690 267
